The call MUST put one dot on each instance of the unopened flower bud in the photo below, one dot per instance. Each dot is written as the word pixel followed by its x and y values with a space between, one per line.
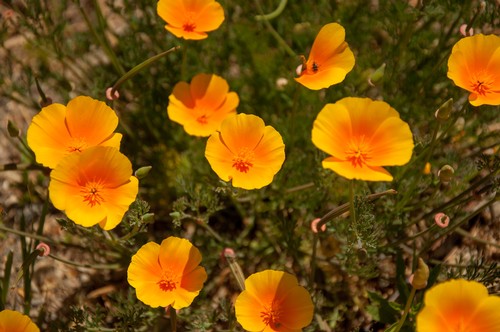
pixel 12 129
pixel 230 257
pixel 148 217
pixel 445 174
pixel 142 172
pixel 444 111
pixel 314 226
pixel 377 75
pixel 442 220
pixel 421 275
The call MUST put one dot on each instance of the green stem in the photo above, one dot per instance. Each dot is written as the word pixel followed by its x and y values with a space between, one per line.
pixel 275 34
pixel 313 260
pixel 301 187
pixel 463 232
pixel 184 61
pixel 210 230
pixel 173 319
pixel 109 52
pixel 456 225
pixel 89 266
pixel 345 207
pixel 406 310
pixel 274 13
pixel 132 72
pixel 352 208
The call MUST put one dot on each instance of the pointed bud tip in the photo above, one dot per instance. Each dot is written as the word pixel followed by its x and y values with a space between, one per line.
pixel 12 129
pixel 421 275
pixel 142 172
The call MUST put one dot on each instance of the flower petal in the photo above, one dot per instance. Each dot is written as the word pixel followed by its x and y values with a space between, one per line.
pixel 248 309
pixel 90 119
pixel 347 170
pixel 242 131
pixel 119 202
pixel 297 307
pixel 391 144
pixel 190 287
pixel 179 255
pixel 332 129
pixel 168 10
pixel 330 37
pixel 47 135
pixel 209 91
pixel 210 17
pixel 13 321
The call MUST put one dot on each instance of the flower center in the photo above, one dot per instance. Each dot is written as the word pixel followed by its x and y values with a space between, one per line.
pixel 91 193
pixel 189 25
pixel 271 316
pixel 243 160
pixel 482 83
pixel 358 153
pixel 202 119
pixel 168 281
pixel 77 144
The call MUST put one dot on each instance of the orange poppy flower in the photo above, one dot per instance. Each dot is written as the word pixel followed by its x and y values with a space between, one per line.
pixel 459 305
pixel 13 321
pixel 191 19
pixel 273 301
pixel 362 135
pixel 473 65
pixel 94 187
pixel 330 59
pixel 59 130
pixel 245 151
pixel 202 105
pixel 167 274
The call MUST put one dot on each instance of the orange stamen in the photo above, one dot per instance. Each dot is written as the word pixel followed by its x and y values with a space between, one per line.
pixel 202 119
pixel 91 193
pixel 358 154
pixel 168 282
pixel 271 316
pixel 76 145
pixel 243 161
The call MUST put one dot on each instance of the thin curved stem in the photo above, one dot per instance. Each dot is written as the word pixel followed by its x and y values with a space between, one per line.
pixel 275 13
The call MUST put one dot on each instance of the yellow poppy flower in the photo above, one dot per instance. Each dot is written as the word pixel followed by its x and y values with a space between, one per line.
pixel 245 151
pixel 459 305
pixel 94 187
pixel 474 66
pixel 273 301
pixel 59 130
pixel 167 274
pixel 191 19
pixel 362 135
pixel 330 59
pixel 13 321
pixel 202 105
